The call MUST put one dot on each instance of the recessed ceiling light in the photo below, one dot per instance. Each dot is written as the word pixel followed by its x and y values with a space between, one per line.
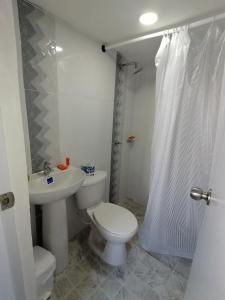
pixel 58 49
pixel 148 18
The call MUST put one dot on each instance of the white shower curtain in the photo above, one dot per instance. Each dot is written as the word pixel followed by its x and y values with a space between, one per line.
pixel 188 85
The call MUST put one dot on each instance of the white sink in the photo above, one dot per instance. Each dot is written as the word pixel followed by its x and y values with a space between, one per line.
pixel 65 183
pixel 51 192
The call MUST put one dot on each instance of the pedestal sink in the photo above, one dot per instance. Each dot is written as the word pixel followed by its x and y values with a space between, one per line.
pixel 51 191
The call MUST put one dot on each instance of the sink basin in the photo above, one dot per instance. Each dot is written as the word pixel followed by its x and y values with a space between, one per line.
pixel 64 184
pixel 51 192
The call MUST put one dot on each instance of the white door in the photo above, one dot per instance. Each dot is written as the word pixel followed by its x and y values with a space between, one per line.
pixel 207 277
pixel 10 282
pixel 17 270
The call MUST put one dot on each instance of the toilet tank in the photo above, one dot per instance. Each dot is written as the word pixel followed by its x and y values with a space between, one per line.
pixel 92 190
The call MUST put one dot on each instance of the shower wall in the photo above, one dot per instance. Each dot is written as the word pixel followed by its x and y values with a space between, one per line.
pixel 138 120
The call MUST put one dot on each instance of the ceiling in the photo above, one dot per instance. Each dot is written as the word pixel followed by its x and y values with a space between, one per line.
pixel 110 21
pixel 113 20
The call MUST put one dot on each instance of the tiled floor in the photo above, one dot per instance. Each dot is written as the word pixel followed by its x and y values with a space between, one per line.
pixel 143 277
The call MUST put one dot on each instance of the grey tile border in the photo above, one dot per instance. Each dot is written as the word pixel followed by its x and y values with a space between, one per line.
pixel 117 130
pixel 38 65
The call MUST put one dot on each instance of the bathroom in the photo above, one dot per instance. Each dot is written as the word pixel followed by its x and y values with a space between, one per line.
pixel 111 125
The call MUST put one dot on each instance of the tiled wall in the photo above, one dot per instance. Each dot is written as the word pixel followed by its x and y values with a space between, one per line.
pixel 141 123
pixel 37 29
pixel 86 82
pixel 69 96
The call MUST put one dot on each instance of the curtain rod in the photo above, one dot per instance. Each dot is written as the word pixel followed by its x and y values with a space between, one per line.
pixel 160 33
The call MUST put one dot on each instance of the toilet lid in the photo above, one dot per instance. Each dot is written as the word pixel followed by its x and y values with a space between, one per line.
pixel 115 219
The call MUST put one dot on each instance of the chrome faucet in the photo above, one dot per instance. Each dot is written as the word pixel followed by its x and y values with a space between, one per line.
pixel 47 169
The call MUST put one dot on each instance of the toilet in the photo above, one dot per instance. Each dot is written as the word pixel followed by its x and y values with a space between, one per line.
pixel 112 226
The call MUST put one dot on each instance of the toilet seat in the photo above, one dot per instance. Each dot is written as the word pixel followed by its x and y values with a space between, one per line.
pixel 115 219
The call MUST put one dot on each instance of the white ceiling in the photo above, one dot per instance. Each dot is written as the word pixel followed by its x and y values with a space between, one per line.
pixel 114 20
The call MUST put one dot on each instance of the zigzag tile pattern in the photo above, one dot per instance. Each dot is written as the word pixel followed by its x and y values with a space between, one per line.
pixel 34 51
pixel 117 132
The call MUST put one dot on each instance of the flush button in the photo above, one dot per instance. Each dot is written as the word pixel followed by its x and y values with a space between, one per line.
pixel 7 200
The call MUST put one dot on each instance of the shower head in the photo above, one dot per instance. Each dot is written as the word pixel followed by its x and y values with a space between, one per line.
pixel 127 64
pixel 137 68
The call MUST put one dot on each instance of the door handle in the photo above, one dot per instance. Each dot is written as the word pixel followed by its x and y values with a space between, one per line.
pixel 198 194
pixel 6 201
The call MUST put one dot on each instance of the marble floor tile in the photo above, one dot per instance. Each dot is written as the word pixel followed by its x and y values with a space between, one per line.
pixel 111 287
pixel 169 261
pixel 183 267
pixel 176 282
pixel 73 295
pixel 157 277
pixel 150 294
pixel 173 289
pixel 53 296
pixel 136 286
pixel 124 294
pixel 87 286
pixel 100 274
pixel 75 274
pixel 121 273
pixel 141 271
pixel 62 286
pixel 137 252
pixel 99 295
pixel 166 293
pixel 154 264
pixel 86 264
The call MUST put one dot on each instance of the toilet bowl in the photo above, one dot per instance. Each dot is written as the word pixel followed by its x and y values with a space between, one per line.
pixel 112 226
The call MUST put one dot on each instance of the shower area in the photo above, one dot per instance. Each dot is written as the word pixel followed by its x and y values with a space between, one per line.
pixel 133 121
pixel 167 99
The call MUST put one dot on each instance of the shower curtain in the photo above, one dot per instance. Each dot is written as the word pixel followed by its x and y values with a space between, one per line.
pixel 188 85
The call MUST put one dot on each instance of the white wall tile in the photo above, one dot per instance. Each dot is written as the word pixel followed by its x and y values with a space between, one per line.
pixel 138 121
pixel 86 82
pixel 82 67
